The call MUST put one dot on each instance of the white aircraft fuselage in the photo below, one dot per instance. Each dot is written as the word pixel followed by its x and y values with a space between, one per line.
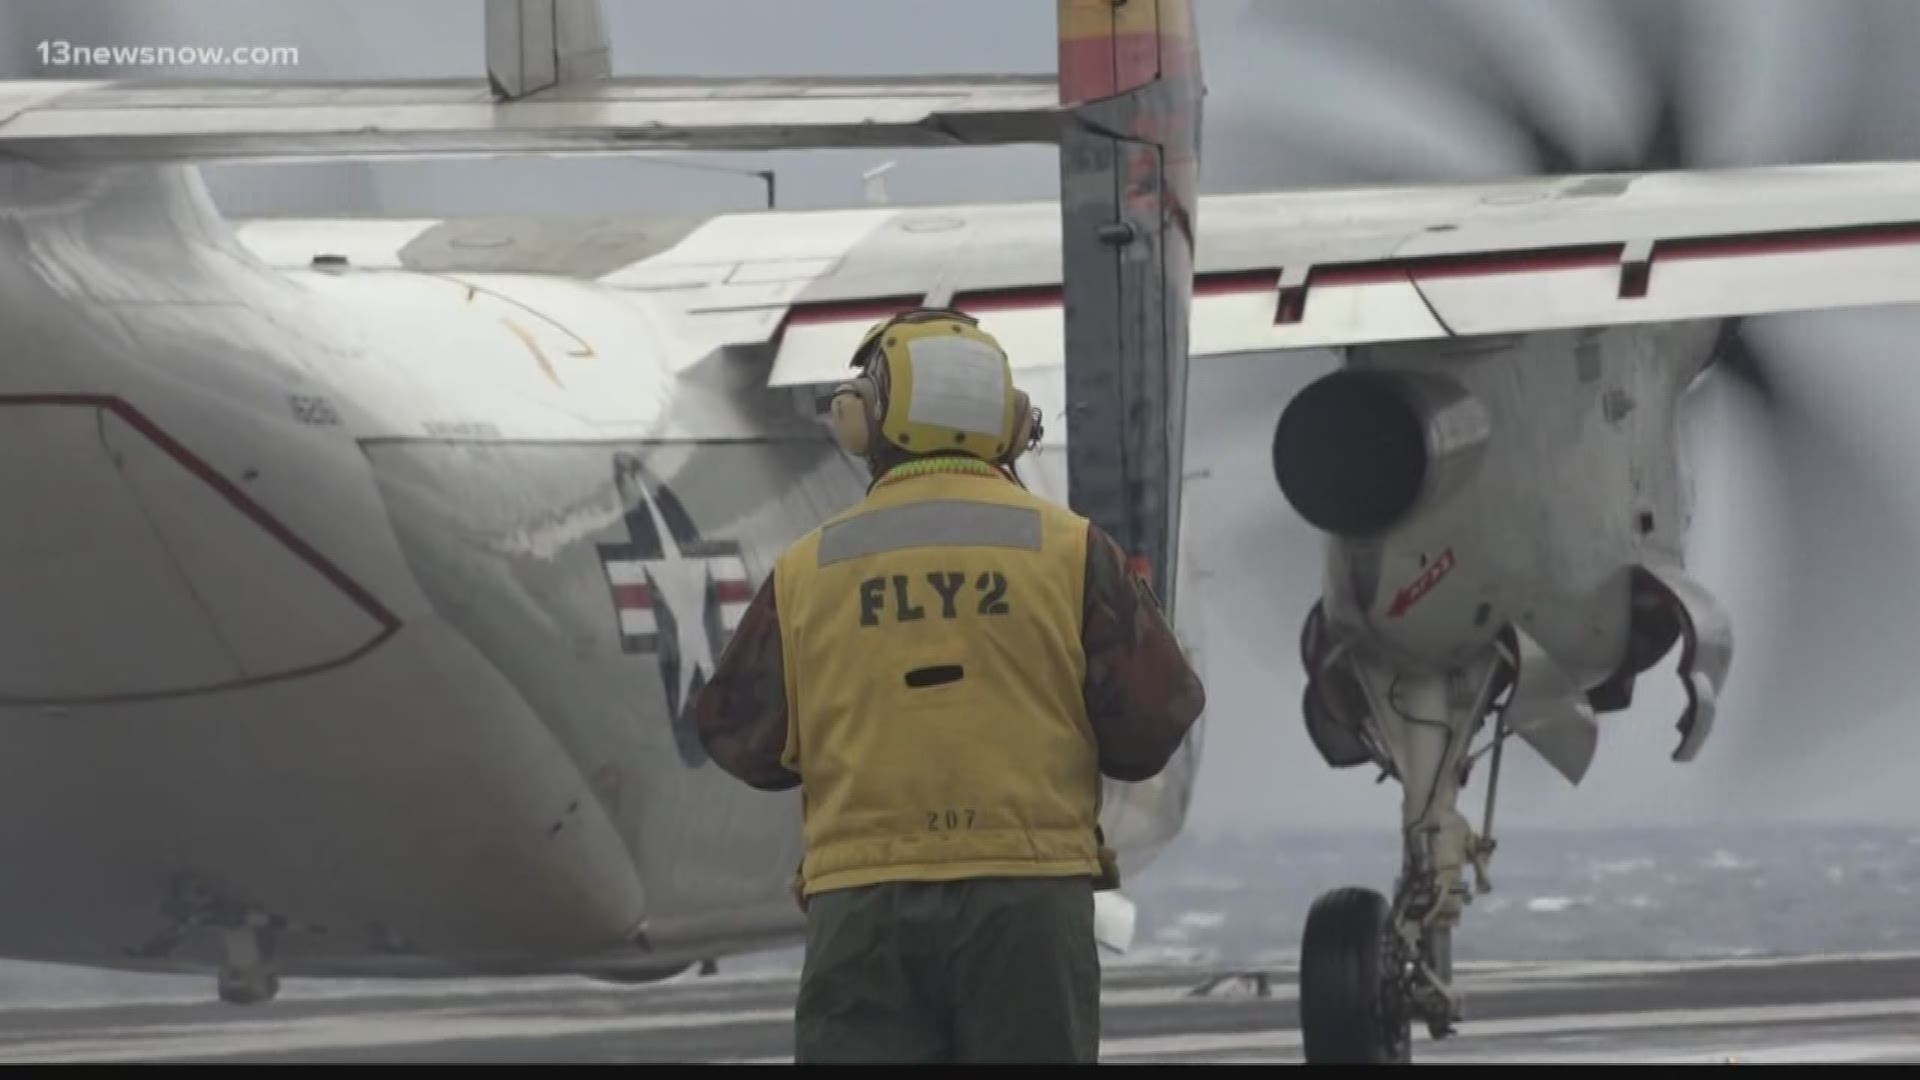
pixel 275 658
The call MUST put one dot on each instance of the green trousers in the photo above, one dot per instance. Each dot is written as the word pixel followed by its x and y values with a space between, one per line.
pixel 987 970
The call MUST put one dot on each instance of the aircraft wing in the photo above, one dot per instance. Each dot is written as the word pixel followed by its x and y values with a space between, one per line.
pixel 1323 268
pixel 1273 271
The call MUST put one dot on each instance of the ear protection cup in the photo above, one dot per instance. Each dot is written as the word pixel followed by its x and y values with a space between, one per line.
pixel 1026 428
pixel 853 415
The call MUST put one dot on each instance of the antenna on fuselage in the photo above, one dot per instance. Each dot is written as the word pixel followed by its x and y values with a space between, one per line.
pixel 876 183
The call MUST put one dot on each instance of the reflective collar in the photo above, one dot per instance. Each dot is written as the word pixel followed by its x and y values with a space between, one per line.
pixel 940 465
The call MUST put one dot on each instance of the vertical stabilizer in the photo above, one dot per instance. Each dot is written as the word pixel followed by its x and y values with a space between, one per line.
pixel 1130 80
pixel 1129 168
pixel 533 45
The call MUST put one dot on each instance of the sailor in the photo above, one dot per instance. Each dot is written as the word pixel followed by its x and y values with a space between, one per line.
pixel 946 670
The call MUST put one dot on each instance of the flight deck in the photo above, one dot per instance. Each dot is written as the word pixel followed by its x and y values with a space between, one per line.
pixel 1837 1008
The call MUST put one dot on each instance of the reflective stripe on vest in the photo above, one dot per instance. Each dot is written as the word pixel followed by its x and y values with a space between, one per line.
pixel 937 523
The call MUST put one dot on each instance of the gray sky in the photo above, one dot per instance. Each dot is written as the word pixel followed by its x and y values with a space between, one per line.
pixel 1301 92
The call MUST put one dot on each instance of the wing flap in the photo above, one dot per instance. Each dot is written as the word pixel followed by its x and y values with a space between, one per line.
pixel 1757 273
pixel 816 342
pixel 1328 269
pixel 813 344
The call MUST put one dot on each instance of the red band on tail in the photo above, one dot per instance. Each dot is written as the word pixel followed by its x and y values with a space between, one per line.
pixel 1108 48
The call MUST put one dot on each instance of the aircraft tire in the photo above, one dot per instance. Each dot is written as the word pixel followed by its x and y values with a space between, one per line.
pixel 1350 1007
pixel 255 990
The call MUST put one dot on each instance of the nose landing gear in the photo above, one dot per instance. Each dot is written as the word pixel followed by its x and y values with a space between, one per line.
pixel 246 976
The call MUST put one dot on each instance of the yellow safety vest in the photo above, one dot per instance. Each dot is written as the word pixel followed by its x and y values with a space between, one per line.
pixel 934 671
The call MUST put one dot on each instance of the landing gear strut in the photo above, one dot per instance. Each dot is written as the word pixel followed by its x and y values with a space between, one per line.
pixel 1369 966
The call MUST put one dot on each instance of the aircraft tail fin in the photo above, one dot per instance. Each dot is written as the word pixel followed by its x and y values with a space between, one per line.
pixel 1129 164
pixel 536 44
pixel 1129 172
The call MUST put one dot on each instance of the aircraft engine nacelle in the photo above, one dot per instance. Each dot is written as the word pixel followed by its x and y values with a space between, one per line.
pixel 1356 451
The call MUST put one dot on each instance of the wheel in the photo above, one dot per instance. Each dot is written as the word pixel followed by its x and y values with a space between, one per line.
pixel 1350 1010
pixel 248 989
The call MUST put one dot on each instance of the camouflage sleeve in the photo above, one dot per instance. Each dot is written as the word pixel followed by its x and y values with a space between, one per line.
pixel 742 711
pixel 1141 694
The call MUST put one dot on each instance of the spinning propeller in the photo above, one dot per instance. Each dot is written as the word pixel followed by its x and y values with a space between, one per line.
pixel 1468 90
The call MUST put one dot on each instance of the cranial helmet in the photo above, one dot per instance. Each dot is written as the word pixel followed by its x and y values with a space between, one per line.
pixel 943 386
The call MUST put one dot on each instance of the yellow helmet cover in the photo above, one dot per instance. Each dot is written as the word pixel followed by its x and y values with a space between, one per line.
pixel 950 387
